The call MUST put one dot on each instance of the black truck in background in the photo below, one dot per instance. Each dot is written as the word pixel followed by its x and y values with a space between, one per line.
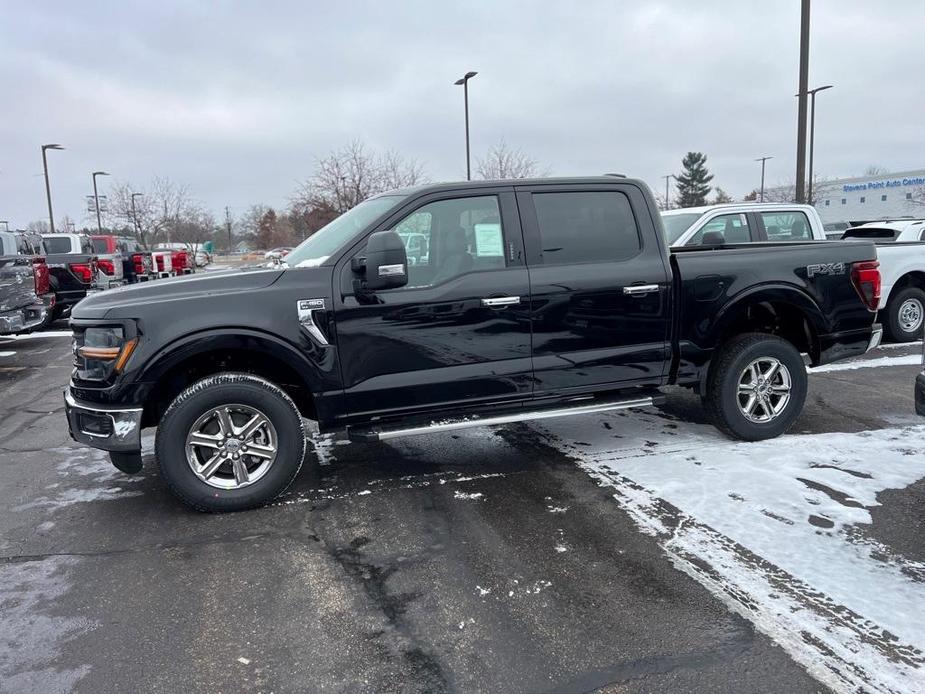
pixel 522 300
pixel 72 266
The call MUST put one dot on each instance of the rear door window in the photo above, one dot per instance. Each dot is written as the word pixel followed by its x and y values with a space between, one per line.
pixel 732 227
pixel 786 226
pixel 586 227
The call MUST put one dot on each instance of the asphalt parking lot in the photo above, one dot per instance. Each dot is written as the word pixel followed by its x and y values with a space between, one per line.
pixel 629 552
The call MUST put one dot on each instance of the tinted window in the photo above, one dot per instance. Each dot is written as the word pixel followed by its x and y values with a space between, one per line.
pixel 732 227
pixel 585 227
pixel 58 244
pixel 99 246
pixel 448 238
pixel 786 226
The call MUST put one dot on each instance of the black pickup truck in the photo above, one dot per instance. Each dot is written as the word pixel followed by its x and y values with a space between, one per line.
pixel 72 265
pixel 522 300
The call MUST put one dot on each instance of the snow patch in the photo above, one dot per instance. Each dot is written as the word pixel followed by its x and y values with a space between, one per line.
pixel 907 360
pixel 771 527
pixel 469 497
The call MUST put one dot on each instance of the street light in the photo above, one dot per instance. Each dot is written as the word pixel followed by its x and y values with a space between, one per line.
pixel 762 160
pixel 464 81
pixel 667 178
pixel 134 213
pixel 51 216
pixel 812 136
pixel 99 224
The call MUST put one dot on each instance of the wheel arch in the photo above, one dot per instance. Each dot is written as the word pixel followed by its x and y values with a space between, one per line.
pixel 191 358
pixel 915 278
pixel 780 310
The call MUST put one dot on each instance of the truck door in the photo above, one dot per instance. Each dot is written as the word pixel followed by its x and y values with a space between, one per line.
pixel 601 302
pixel 459 331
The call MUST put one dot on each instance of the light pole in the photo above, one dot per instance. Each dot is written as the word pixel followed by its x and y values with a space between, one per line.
pixel 3 221
pixel 801 94
pixel 667 178
pixel 464 81
pixel 51 216
pixel 99 224
pixel 762 160
pixel 134 213
pixel 812 136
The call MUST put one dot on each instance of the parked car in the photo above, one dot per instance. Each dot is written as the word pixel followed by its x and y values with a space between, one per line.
pixel 540 298
pixel 26 299
pixel 122 251
pixel 72 267
pixel 109 261
pixel 901 251
pixel 181 257
pixel 745 222
pixel 163 263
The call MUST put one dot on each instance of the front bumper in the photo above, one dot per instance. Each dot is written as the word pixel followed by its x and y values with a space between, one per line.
pixel 115 429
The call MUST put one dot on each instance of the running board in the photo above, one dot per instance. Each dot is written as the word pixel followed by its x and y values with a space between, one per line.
pixel 585 407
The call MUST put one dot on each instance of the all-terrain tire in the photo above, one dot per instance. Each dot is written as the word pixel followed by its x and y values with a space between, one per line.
pixel 722 399
pixel 217 391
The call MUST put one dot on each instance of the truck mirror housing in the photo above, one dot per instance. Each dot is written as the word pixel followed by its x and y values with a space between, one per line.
pixel 386 261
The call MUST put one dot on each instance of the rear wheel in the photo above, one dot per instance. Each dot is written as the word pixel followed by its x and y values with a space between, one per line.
pixel 756 387
pixel 230 442
pixel 905 315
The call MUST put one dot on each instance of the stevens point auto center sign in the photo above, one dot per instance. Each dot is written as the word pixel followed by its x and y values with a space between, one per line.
pixel 889 183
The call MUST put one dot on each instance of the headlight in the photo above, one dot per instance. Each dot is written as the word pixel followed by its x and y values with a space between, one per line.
pixel 102 351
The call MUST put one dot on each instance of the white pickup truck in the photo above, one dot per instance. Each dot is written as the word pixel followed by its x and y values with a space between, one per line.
pixel 743 222
pixel 901 252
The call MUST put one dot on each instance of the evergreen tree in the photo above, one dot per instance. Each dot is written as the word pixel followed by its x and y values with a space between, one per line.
pixel 694 182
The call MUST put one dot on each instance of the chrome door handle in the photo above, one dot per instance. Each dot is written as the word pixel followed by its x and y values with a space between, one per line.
pixel 496 301
pixel 640 289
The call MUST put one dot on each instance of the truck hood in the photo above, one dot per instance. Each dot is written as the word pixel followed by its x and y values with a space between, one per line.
pixel 200 286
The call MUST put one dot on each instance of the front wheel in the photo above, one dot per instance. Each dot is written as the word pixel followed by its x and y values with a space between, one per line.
pixel 230 442
pixel 756 387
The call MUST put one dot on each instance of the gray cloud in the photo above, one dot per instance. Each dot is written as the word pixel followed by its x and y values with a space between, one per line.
pixel 237 102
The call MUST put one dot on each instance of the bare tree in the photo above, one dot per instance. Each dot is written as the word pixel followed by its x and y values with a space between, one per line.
pixel 503 162
pixel 39 226
pixel 823 187
pixel 348 176
pixel 158 212
pixel 721 196
pixel 194 228
pixel 874 170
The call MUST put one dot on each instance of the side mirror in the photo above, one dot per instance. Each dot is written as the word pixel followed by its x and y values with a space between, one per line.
pixel 713 238
pixel 386 261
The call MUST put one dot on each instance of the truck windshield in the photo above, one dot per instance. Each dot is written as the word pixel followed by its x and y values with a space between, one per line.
pixel 677 224
pixel 319 246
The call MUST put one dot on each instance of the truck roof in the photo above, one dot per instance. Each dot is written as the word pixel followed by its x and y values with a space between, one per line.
pixel 730 205
pixel 565 180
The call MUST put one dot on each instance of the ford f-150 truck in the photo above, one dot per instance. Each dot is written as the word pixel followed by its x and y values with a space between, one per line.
pixel 72 265
pixel 901 252
pixel 536 299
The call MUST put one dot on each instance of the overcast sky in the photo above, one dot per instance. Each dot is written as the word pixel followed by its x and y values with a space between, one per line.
pixel 238 103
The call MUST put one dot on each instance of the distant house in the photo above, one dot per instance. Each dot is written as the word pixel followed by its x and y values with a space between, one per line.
pixel 242 247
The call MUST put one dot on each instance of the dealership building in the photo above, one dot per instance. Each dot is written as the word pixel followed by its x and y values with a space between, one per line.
pixel 871 198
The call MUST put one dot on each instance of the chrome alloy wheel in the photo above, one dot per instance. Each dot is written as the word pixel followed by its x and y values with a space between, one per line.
pixel 231 446
pixel 764 390
pixel 911 313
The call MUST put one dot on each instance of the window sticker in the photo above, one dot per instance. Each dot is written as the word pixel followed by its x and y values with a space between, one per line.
pixel 488 240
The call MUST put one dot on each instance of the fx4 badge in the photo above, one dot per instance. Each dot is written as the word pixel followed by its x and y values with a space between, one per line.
pixel 306 309
pixel 825 269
